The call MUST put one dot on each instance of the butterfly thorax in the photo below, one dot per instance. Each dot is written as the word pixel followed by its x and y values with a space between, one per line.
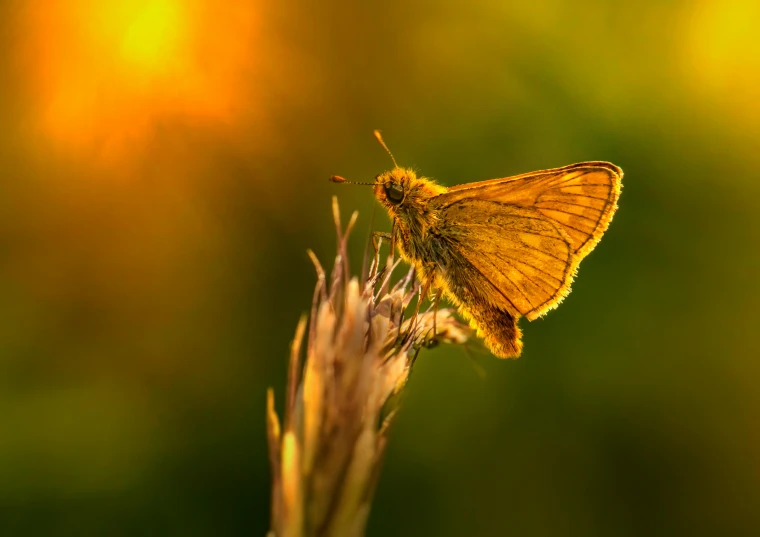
pixel 407 197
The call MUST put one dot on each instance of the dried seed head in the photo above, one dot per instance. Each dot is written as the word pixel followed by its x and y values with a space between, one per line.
pixel 359 352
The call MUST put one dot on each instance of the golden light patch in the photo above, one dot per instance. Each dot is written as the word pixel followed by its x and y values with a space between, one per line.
pixel 153 36
pixel 104 73
pixel 720 56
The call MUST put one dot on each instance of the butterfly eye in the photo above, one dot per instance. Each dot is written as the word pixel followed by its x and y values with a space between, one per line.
pixel 394 193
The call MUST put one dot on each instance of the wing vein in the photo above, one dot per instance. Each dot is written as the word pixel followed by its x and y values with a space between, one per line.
pixel 568 179
pixel 521 231
pixel 560 193
pixel 510 261
pixel 527 299
pixel 568 203
pixel 571 214
pixel 542 251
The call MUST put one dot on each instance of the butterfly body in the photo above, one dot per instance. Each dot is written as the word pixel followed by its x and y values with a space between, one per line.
pixel 503 248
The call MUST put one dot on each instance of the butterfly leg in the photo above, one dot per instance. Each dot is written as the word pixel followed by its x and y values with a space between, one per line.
pixel 377 238
pixel 435 310
pixel 423 294
pixel 393 244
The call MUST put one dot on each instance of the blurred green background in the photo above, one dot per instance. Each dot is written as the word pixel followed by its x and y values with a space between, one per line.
pixel 164 168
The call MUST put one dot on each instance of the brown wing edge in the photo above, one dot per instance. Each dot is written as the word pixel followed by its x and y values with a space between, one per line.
pixel 538 173
pixel 608 212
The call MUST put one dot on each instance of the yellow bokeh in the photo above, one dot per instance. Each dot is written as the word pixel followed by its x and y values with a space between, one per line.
pixel 722 56
pixel 153 36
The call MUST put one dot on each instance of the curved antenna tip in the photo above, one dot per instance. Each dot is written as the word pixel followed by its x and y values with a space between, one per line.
pixel 379 138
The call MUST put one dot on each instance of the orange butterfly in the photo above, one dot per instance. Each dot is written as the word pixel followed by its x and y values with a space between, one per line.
pixel 502 248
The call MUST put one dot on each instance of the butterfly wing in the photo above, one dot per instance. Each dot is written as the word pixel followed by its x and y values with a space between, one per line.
pixel 526 235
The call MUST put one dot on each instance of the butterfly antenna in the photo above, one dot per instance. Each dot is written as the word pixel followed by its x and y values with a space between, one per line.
pixel 339 179
pixel 379 138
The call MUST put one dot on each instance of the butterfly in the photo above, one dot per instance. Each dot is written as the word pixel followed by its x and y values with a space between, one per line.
pixel 503 248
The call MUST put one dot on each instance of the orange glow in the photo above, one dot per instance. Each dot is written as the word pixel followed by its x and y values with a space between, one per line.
pixel 105 72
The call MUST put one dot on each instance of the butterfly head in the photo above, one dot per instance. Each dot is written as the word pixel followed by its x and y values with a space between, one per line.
pixel 399 190
pixel 392 187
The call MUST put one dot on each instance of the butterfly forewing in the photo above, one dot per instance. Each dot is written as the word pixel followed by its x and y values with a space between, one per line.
pixel 515 250
pixel 525 235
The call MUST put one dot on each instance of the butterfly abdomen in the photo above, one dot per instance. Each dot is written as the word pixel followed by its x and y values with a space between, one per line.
pixel 494 322
pixel 498 328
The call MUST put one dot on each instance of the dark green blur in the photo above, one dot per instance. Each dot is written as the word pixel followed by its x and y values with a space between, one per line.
pixel 143 313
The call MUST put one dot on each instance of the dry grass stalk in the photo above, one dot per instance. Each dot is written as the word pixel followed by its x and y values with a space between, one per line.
pixel 340 403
